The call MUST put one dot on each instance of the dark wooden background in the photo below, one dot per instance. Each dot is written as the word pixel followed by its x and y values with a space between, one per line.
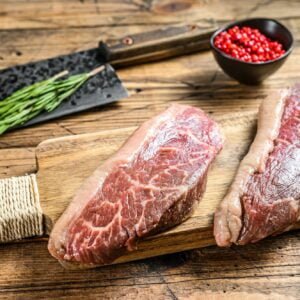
pixel 31 30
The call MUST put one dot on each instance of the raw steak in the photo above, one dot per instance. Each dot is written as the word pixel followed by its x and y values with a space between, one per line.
pixel 264 198
pixel 152 183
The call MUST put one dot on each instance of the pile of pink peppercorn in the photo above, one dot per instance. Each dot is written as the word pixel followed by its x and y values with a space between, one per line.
pixel 248 44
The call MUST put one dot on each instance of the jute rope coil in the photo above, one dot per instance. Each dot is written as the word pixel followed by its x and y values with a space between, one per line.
pixel 20 211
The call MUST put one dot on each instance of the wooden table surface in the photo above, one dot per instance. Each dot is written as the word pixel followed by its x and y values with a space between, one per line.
pixel 36 29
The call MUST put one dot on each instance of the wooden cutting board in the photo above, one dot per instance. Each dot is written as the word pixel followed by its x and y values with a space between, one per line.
pixel 63 164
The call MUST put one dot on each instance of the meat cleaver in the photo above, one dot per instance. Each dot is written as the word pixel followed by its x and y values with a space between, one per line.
pixel 106 87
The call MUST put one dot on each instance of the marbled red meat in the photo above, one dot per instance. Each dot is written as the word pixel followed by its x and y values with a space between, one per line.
pixel 152 183
pixel 265 197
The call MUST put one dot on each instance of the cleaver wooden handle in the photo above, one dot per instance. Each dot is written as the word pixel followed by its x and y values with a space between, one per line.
pixel 157 45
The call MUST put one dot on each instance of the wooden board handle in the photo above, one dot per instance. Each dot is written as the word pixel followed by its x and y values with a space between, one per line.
pixel 156 45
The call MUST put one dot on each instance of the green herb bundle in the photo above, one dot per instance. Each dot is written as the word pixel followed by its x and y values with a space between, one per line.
pixel 30 101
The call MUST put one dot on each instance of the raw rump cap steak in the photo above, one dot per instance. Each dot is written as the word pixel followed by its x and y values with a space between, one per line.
pixel 152 183
pixel 264 198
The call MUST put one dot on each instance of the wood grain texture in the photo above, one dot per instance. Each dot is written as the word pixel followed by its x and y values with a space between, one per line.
pixel 268 270
pixel 17 162
pixel 32 30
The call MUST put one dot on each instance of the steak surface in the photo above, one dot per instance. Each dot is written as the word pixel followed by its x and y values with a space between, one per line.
pixel 152 183
pixel 265 197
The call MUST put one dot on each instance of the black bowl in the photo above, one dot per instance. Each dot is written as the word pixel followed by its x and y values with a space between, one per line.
pixel 254 73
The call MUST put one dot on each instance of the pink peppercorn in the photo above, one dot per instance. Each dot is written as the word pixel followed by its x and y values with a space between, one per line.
pixel 248 44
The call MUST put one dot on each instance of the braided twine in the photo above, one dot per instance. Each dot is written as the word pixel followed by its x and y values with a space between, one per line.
pixel 20 211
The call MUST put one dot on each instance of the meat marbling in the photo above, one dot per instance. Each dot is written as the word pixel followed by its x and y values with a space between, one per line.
pixel 264 198
pixel 152 183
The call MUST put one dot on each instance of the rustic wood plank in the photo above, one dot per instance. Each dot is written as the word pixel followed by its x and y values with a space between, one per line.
pixel 17 162
pixel 73 13
pixel 266 270
pixel 60 14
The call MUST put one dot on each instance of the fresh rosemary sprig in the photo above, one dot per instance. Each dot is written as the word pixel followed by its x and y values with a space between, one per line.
pixel 30 101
